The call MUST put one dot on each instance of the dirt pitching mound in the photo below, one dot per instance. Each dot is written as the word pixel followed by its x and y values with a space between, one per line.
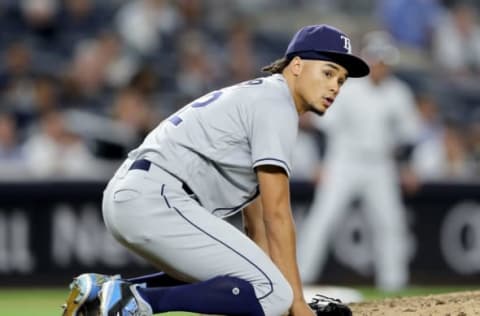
pixel 452 304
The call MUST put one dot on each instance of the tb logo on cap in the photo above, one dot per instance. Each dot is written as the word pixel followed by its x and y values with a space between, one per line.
pixel 346 43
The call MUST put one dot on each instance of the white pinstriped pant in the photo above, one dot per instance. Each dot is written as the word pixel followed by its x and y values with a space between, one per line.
pixel 377 184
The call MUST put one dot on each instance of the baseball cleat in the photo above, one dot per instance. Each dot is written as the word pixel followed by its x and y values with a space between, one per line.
pixel 83 297
pixel 324 305
pixel 121 298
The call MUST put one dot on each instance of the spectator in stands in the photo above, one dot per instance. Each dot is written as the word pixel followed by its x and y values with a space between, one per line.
pixel 45 94
pixel 144 24
pixel 197 72
pixel 16 63
pixel 132 109
pixel 12 157
pixel 41 95
pixel 456 42
pixel 98 65
pixel 145 80
pixel 431 124
pixel 80 20
pixel 17 81
pixel 40 20
pixel 9 22
pixel 120 67
pixel 444 157
pixel 474 145
pixel 441 154
pixel 192 14
pixel 9 140
pixel 85 77
pixel 410 22
pixel 53 151
pixel 240 52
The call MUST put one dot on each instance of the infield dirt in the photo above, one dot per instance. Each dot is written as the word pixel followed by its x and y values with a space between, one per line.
pixel 454 304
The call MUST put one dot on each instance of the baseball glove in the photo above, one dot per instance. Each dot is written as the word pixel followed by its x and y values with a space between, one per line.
pixel 323 306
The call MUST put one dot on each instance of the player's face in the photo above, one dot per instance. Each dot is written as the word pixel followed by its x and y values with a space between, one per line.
pixel 318 84
pixel 379 71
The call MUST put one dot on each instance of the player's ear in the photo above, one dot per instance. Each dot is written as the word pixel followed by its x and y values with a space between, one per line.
pixel 296 65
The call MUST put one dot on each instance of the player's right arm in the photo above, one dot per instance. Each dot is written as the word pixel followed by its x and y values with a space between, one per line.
pixel 280 230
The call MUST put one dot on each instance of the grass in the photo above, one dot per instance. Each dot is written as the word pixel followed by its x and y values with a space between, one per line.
pixel 46 302
pixel 38 302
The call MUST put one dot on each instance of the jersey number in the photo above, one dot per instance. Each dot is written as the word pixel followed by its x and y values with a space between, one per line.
pixel 204 101
pixel 175 119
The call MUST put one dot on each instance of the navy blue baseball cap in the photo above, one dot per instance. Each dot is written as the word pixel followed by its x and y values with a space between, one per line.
pixel 324 42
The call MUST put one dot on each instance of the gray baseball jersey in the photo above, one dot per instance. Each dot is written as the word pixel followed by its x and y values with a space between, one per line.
pixel 214 143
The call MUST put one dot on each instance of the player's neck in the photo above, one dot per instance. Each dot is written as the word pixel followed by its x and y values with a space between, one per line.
pixel 300 104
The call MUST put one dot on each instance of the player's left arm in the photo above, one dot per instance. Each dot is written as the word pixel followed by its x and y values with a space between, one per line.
pixel 254 225
pixel 280 230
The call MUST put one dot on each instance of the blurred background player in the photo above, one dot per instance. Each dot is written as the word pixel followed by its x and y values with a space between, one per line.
pixel 370 122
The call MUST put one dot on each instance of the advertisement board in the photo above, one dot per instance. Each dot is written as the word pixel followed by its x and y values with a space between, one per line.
pixel 51 231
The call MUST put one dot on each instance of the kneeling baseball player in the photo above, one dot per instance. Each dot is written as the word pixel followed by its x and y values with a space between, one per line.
pixel 228 151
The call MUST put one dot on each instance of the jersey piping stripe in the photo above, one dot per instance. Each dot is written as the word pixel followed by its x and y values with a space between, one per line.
pixel 221 242
pixel 273 159
pixel 164 197
pixel 236 208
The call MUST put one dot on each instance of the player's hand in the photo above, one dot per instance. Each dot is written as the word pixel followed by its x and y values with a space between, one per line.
pixel 409 180
pixel 301 308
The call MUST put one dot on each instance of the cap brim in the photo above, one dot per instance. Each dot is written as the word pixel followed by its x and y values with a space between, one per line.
pixel 355 66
